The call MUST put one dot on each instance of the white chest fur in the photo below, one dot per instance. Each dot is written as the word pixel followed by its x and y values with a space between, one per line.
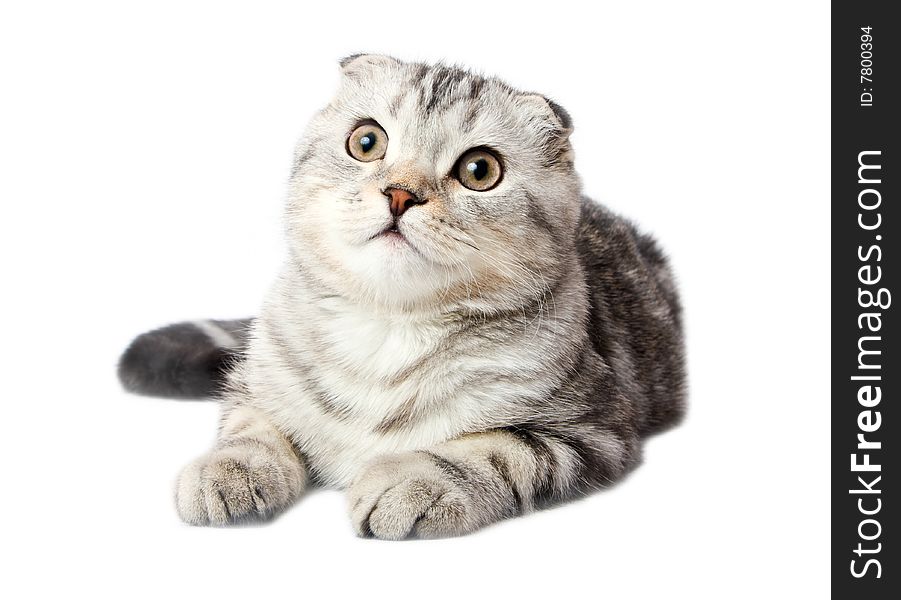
pixel 348 384
pixel 348 387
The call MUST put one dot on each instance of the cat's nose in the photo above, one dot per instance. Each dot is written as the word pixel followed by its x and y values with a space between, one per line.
pixel 400 200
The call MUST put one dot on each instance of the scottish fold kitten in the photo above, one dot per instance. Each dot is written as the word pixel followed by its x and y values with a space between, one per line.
pixel 457 335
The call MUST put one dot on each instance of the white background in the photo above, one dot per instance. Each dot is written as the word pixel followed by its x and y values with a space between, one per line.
pixel 143 159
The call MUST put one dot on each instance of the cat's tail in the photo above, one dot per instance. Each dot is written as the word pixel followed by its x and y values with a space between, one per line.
pixel 184 360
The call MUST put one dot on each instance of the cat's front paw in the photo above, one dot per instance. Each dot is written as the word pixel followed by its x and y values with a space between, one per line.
pixel 413 494
pixel 235 484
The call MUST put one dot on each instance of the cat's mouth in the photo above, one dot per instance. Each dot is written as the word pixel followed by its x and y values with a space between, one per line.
pixel 393 238
pixel 391 231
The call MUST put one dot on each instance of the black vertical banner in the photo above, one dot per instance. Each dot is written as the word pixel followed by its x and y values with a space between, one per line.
pixel 866 365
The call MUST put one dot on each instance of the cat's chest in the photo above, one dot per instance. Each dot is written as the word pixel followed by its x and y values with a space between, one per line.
pixel 380 351
pixel 348 385
pixel 381 371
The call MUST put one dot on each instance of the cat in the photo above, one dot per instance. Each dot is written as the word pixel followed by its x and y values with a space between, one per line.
pixel 457 335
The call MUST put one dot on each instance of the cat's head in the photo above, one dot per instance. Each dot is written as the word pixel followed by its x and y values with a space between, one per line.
pixel 424 185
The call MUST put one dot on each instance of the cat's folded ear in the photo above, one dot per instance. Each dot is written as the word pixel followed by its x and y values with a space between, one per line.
pixel 555 113
pixel 356 63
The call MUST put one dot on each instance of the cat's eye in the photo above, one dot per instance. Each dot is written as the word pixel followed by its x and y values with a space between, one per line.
pixel 479 170
pixel 367 142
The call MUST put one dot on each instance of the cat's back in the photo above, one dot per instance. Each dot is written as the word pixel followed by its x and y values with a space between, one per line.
pixel 636 315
